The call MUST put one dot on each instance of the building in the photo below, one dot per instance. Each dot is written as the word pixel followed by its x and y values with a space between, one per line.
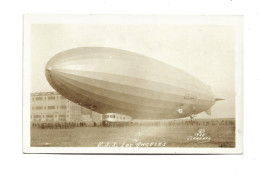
pixel 96 118
pixel 51 106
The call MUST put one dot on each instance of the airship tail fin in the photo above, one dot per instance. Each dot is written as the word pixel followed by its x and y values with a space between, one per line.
pixel 208 111
pixel 218 99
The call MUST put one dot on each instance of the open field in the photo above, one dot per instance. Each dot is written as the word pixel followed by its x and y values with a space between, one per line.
pixel 178 135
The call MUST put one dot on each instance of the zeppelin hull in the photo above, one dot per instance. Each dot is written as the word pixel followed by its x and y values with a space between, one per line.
pixel 110 80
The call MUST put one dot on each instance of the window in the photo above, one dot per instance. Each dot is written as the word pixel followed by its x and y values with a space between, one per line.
pixel 63 107
pixel 49 116
pixel 38 107
pixel 51 107
pixel 112 116
pixel 37 116
pixel 51 98
pixel 61 97
pixel 38 98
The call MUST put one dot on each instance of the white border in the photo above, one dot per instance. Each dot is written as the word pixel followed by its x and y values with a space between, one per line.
pixel 129 19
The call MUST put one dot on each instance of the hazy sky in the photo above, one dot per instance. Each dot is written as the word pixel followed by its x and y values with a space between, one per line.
pixel 205 51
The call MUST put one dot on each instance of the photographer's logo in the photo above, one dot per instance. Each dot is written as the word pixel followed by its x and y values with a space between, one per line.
pixel 199 137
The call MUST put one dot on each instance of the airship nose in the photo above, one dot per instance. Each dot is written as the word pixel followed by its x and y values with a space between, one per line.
pixel 49 72
pixel 48 68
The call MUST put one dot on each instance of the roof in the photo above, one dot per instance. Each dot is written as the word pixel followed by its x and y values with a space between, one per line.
pixel 44 93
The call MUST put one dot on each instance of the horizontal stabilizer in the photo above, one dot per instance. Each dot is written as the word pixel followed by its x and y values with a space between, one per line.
pixel 218 99
pixel 208 111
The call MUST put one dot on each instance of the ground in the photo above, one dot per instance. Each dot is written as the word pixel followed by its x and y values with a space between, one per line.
pixel 182 135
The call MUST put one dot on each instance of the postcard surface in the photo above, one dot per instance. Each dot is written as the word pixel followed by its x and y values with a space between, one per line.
pixel 133 84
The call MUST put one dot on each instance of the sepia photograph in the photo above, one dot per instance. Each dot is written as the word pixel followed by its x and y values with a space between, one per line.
pixel 133 84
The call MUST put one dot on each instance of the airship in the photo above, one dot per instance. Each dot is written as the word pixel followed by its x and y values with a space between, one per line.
pixel 109 80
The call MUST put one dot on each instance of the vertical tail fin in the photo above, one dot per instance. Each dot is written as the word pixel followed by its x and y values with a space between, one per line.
pixel 208 111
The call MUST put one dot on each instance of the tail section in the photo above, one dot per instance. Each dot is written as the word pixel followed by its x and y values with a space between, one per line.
pixel 209 110
pixel 219 99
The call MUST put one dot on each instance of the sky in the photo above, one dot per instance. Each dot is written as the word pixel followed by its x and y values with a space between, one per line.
pixel 206 51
